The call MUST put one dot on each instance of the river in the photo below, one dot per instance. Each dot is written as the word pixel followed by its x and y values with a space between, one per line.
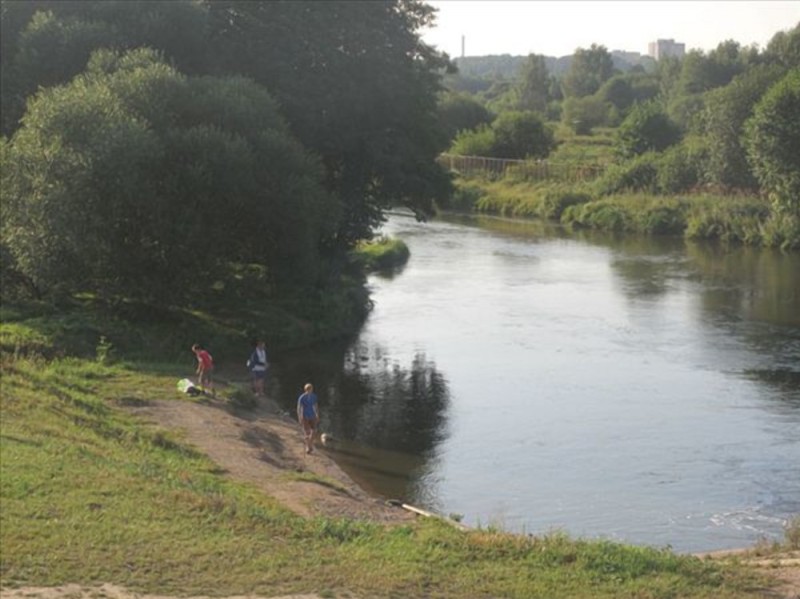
pixel 645 390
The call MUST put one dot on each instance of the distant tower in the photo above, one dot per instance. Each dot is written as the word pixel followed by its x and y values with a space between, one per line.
pixel 463 41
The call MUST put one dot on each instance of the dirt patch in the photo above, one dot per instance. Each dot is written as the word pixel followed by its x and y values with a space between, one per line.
pixel 108 591
pixel 264 447
pixel 783 566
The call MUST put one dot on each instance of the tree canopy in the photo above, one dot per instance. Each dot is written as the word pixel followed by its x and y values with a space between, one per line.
pixel 332 105
pixel 136 180
pixel 773 142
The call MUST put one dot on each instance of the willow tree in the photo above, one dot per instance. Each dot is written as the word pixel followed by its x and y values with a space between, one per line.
pixel 135 180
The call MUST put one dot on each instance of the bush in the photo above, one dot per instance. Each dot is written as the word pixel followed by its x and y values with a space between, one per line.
pixel 681 167
pixel 635 175
pixel 476 142
pixel 662 220
pixel 136 181
pixel 772 139
pixel 465 197
pixel 782 231
pixel 602 214
pixel 584 114
pixel 382 254
pixel 733 220
pixel 555 201
pixel 646 128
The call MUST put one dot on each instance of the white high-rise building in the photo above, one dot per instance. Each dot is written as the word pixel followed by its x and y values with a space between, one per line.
pixel 663 48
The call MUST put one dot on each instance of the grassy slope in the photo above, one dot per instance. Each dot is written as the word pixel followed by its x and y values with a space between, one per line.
pixel 90 495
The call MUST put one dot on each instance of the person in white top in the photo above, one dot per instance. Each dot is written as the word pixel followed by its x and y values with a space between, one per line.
pixel 258 367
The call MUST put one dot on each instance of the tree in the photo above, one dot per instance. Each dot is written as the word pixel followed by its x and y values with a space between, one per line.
pixel 646 128
pixel 521 134
pixel 354 80
pixel 583 114
pixel 134 180
pixel 514 134
pixel 533 84
pixel 47 42
pixel 588 71
pixel 460 112
pixel 772 139
pixel 701 72
pixel 358 87
pixel 618 92
pixel 726 110
pixel 784 48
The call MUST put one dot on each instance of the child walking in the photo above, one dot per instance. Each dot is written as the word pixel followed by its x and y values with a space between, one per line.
pixel 308 415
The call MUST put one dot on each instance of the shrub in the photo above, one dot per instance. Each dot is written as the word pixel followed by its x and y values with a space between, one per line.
pixel 521 135
pixel 476 142
pixel 383 253
pixel 772 139
pixel 662 219
pixel 602 214
pixel 646 128
pixel 681 167
pixel 555 201
pixel 464 197
pixel 635 175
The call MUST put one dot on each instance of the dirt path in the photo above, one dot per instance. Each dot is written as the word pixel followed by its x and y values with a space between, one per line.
pixel 783 566
pixel 265 448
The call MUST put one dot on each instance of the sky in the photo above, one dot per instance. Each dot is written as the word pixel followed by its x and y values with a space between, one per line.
pixel 557 28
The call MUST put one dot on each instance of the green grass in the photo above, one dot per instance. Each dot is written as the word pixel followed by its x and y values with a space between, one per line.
pixel 382 254
pixel 741 219
pixel 91 495
pixel 595 149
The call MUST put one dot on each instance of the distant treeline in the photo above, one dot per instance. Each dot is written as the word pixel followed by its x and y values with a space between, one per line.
pixel 507 66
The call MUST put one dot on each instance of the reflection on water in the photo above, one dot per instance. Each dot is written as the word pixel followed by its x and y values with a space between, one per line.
pixel 642 389
pixel 387 417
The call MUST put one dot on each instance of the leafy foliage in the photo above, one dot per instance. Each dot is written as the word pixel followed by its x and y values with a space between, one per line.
pixel 590 68
pixel 773 142
pixel 514 134
pixel 461 112
pixel 136 180
pixel 646 128
pixel 584 114
pixel 725 111
pixel 358 88
pixel 534 84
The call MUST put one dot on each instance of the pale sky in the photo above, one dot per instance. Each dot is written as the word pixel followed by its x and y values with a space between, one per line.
pixel 556 28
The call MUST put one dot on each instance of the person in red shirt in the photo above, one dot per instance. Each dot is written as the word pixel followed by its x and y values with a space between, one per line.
pixel 205 366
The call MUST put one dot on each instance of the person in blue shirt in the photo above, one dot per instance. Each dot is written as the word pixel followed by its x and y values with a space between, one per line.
pixel 308 415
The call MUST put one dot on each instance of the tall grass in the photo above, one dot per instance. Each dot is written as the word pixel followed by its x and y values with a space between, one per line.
pixel 743 219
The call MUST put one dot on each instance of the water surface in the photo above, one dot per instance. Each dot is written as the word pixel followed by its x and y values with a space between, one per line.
pixel 642 390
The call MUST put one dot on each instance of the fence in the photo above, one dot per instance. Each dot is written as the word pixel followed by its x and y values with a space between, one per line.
pixel 533 170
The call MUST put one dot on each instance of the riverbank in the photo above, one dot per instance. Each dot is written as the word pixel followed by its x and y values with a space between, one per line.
pixel 110 476
pixel 742 219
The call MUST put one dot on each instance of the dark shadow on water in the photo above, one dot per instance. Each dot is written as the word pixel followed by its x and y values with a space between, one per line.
pixel 387 416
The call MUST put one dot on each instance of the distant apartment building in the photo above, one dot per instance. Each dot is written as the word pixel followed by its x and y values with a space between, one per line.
pixel 663 48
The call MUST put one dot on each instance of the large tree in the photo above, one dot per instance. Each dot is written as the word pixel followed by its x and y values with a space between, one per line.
pixel 647 128
pixel 773 142
pixel 354 80
pixel 590 68
pixel 134 180
pixel 726 110
pixel 359 88
pixel 533 84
